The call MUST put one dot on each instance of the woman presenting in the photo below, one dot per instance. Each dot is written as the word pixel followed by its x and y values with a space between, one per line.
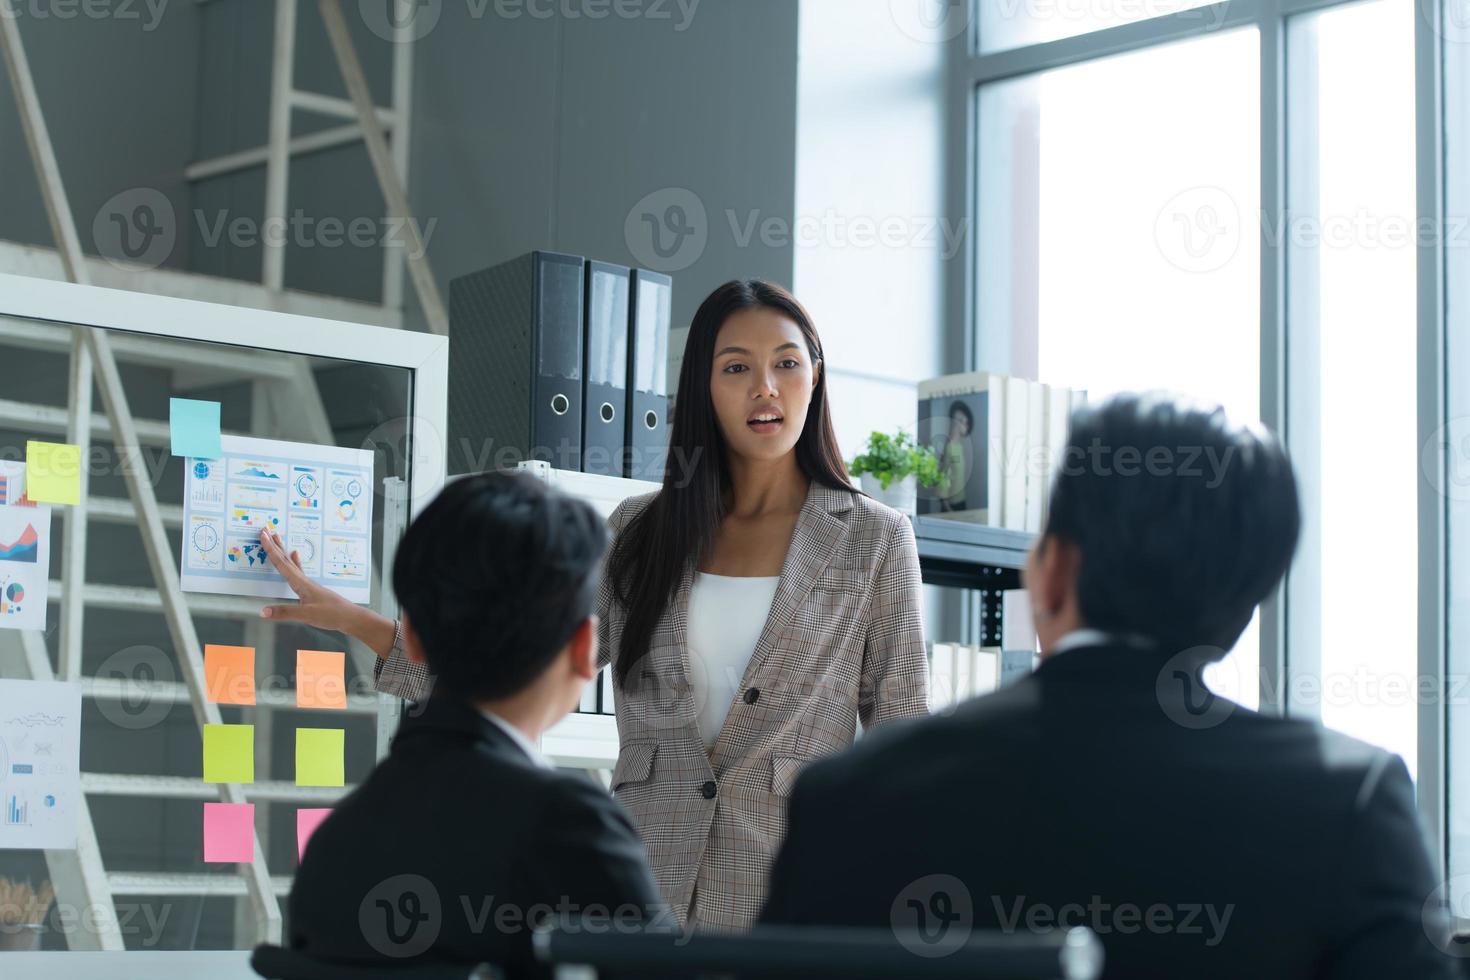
pixel 754 609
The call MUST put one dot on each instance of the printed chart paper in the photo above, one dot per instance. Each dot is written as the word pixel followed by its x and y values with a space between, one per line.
pixel 25 553
pixel 40 764
pixel 318 498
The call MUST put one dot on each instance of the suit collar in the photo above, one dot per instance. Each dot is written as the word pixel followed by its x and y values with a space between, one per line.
pixel 1106 663
pixel 442 716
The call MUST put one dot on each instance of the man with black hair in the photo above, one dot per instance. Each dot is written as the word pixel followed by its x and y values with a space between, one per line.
pixel 465 836
pixel 1111 789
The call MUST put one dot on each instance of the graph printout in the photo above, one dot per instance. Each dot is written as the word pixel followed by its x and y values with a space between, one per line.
pixel 25 553
pixel 40 764
pixel 319 499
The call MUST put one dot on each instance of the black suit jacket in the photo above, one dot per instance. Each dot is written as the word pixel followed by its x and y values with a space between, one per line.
pixel 1215 843
pixel 453 842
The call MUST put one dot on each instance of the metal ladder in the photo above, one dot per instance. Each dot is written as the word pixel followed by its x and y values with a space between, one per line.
pixel 79 877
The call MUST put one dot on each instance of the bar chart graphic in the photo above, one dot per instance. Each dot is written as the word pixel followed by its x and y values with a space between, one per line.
pixel 17 814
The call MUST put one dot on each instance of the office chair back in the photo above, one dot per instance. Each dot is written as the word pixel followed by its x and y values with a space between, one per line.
pixel 277 963
pixel 817 953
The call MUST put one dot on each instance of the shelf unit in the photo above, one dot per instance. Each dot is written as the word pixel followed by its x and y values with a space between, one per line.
pixel 962 555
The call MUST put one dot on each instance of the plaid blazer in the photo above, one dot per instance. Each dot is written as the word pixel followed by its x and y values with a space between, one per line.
pixel 843 642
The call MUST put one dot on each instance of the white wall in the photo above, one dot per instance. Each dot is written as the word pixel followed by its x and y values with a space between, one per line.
pixel 870 240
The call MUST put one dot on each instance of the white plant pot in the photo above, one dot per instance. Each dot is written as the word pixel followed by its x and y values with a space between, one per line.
pixel 901 495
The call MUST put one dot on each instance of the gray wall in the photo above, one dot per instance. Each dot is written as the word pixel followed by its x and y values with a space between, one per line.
pixel 120 96
pixel 546 132
pixel 532 129
pixel 234 115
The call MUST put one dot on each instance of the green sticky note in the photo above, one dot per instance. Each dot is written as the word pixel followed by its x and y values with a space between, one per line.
pixel 229 753
pixel 194 428
pixel 53 473
pixel 319 754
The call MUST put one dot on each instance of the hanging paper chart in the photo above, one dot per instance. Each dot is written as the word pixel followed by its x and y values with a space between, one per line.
pixel 317 498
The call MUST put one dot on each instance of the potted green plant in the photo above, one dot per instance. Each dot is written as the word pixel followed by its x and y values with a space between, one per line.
pixel 893 467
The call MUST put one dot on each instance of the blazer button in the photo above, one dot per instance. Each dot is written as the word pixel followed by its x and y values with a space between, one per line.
pixel 752 695
pixel 708 790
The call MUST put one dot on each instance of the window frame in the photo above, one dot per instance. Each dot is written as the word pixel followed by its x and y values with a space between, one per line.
pixel 969 70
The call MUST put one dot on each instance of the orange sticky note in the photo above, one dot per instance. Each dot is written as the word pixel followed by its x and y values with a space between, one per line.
pixel 307 821
pixel 320 680
pixel 229 832
pixel 229 674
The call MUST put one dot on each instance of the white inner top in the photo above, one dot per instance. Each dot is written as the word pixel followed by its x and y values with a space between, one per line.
pixel 726 616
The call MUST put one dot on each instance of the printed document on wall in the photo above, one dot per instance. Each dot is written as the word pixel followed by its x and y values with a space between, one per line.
pixel 319 499
pixel 25 553
pixel 40 764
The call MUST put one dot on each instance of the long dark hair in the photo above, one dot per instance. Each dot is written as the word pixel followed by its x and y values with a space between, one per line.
pixel 679 524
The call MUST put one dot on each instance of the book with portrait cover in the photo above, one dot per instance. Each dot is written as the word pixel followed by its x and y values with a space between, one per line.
pixel 962 418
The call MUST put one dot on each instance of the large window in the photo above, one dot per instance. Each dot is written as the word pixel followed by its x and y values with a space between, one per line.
pixel 1116 253
pixel 1350 245
pixel 1247 202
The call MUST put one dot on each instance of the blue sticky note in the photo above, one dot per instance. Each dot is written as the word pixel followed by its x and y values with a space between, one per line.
pixel 194 428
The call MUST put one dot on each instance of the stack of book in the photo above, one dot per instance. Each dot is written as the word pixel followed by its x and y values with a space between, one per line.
pixel 960 671
pixel 999 441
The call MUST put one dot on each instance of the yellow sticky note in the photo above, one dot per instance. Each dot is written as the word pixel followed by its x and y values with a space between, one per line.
pixel 319 679
pixel 319 754
pixel 53 473
pixel 229 674
pixel 229 753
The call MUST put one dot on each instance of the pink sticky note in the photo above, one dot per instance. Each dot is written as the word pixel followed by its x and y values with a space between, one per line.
pixel 307 821
pixel 229 832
